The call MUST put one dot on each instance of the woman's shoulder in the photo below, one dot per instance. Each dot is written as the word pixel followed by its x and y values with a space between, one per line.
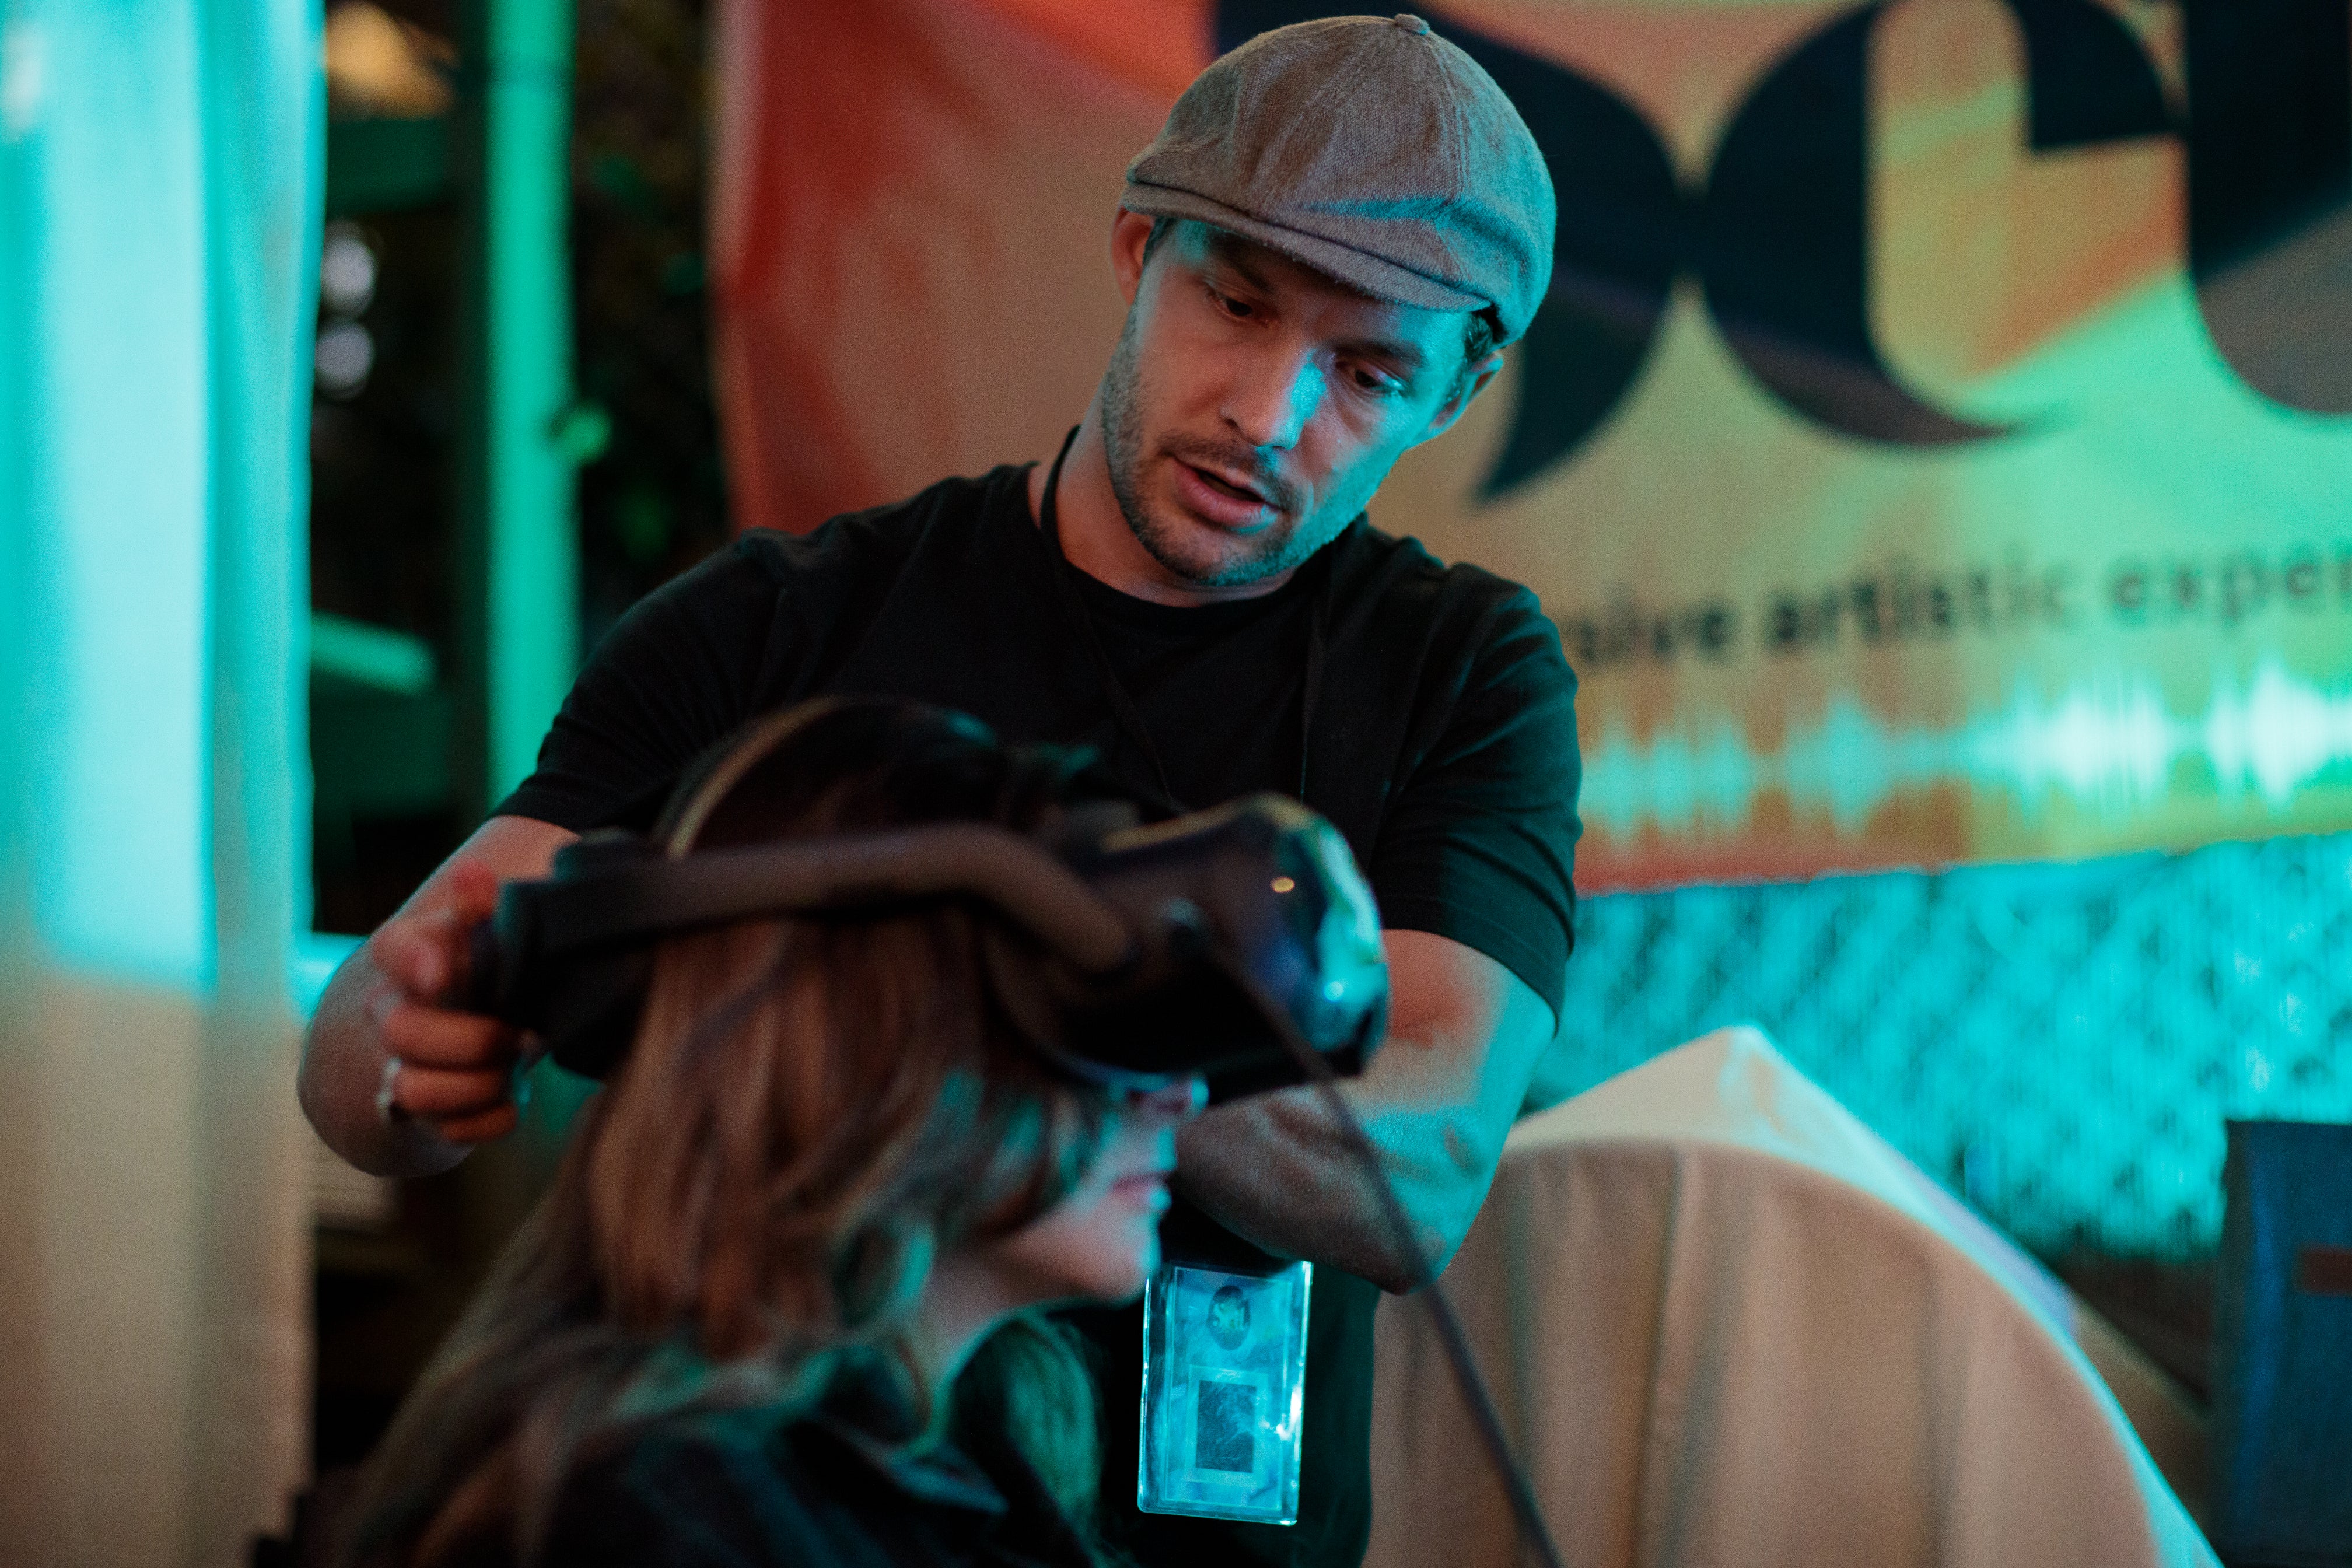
pixel 746 1488
pixel 696 1491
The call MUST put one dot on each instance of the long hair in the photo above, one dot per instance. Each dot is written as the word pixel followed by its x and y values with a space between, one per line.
pixel 812 1110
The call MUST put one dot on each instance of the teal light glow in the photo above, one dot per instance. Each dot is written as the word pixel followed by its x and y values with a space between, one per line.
pixel 21 70
pixel 2059 1044
pixel 117 514
pixel 371 656
pixel 2110 744
pixel 532 568
pixel 161 194
pixel 317 957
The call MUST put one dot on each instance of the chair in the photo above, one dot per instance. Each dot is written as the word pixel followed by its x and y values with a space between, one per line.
pixel 1726 1325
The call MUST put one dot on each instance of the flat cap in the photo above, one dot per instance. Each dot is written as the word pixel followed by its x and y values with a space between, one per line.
pixel 1372 150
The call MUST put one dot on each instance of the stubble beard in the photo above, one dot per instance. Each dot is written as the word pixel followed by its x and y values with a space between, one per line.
pixel 1162 539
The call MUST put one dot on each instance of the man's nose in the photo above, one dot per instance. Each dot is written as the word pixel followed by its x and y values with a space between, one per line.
pixel 1270 402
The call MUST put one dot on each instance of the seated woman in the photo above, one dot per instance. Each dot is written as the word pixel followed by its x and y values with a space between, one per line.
pixel 741 1329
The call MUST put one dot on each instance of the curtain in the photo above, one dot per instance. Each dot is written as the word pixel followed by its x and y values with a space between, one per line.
pixel 161 166
pixel 911 204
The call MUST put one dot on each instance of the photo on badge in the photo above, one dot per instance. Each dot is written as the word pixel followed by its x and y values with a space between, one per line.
pixel 1223 1385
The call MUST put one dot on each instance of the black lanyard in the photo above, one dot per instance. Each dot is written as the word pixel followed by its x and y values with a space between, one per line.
pixel 1122 705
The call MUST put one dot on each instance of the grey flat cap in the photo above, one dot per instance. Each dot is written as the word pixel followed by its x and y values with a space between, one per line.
pixel 1372 150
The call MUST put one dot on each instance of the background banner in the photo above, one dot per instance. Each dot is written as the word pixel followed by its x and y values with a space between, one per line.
pixel 1934 447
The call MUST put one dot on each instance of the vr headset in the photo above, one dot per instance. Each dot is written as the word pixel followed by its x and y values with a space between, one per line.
pixel 1223 943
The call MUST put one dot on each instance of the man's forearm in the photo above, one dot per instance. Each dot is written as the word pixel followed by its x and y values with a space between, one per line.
pixel 342 1067
pixel 1436 1102
pixel 1279 1172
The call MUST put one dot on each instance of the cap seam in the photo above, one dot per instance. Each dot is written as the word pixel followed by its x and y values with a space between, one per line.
pixel 1461 136
pixel 1343 93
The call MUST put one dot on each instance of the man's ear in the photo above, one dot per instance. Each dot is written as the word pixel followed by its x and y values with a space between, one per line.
pixel 1472 382
pixel 1130 233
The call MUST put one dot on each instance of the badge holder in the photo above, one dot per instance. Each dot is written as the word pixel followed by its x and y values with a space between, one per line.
pixel 1225 1379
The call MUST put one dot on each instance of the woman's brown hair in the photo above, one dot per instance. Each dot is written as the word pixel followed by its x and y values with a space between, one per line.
pixel 811 1110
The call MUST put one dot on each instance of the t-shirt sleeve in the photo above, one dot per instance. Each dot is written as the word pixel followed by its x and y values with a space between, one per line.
pixel 676 675
pixel 1479 843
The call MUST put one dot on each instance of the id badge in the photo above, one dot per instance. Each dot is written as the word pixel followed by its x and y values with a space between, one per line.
pixel 1224 1383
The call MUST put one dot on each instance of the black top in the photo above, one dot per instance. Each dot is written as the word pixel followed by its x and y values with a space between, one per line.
pixel 746 1488
pixel 1444 748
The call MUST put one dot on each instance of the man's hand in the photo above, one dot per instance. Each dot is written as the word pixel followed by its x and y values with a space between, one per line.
pixel 385 1023
pixel 450 1070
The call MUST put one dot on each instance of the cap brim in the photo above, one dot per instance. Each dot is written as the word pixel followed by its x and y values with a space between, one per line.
pixel 1357 269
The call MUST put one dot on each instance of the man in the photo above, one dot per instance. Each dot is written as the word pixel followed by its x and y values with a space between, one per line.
pixel 1323 254
pixel 1229 1317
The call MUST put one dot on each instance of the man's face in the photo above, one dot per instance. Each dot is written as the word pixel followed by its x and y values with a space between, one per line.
pixel 1253 404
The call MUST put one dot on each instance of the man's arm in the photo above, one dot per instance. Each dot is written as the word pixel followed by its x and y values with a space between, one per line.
pixel 384 1002
pixel 1437 1100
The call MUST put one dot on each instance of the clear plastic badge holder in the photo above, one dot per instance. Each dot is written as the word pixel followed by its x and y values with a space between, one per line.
pixel 1225 1379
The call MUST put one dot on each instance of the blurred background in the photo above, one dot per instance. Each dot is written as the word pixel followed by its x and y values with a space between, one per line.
pixel 1935 451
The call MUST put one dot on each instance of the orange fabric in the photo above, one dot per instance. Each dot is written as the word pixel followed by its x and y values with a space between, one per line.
pixel 910 233
pixel 1156 45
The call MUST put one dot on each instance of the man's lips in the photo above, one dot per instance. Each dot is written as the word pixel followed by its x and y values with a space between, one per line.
pixel 1220 497
pixel 1242 486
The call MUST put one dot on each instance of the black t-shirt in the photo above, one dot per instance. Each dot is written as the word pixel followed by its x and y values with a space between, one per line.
pixel 1442 746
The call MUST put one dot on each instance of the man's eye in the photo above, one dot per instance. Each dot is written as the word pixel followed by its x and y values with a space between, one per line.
pixel 1236 309
pixel 1368 379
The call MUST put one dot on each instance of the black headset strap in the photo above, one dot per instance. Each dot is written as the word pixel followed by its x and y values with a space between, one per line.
pixel 648 897
pixel 1123 708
